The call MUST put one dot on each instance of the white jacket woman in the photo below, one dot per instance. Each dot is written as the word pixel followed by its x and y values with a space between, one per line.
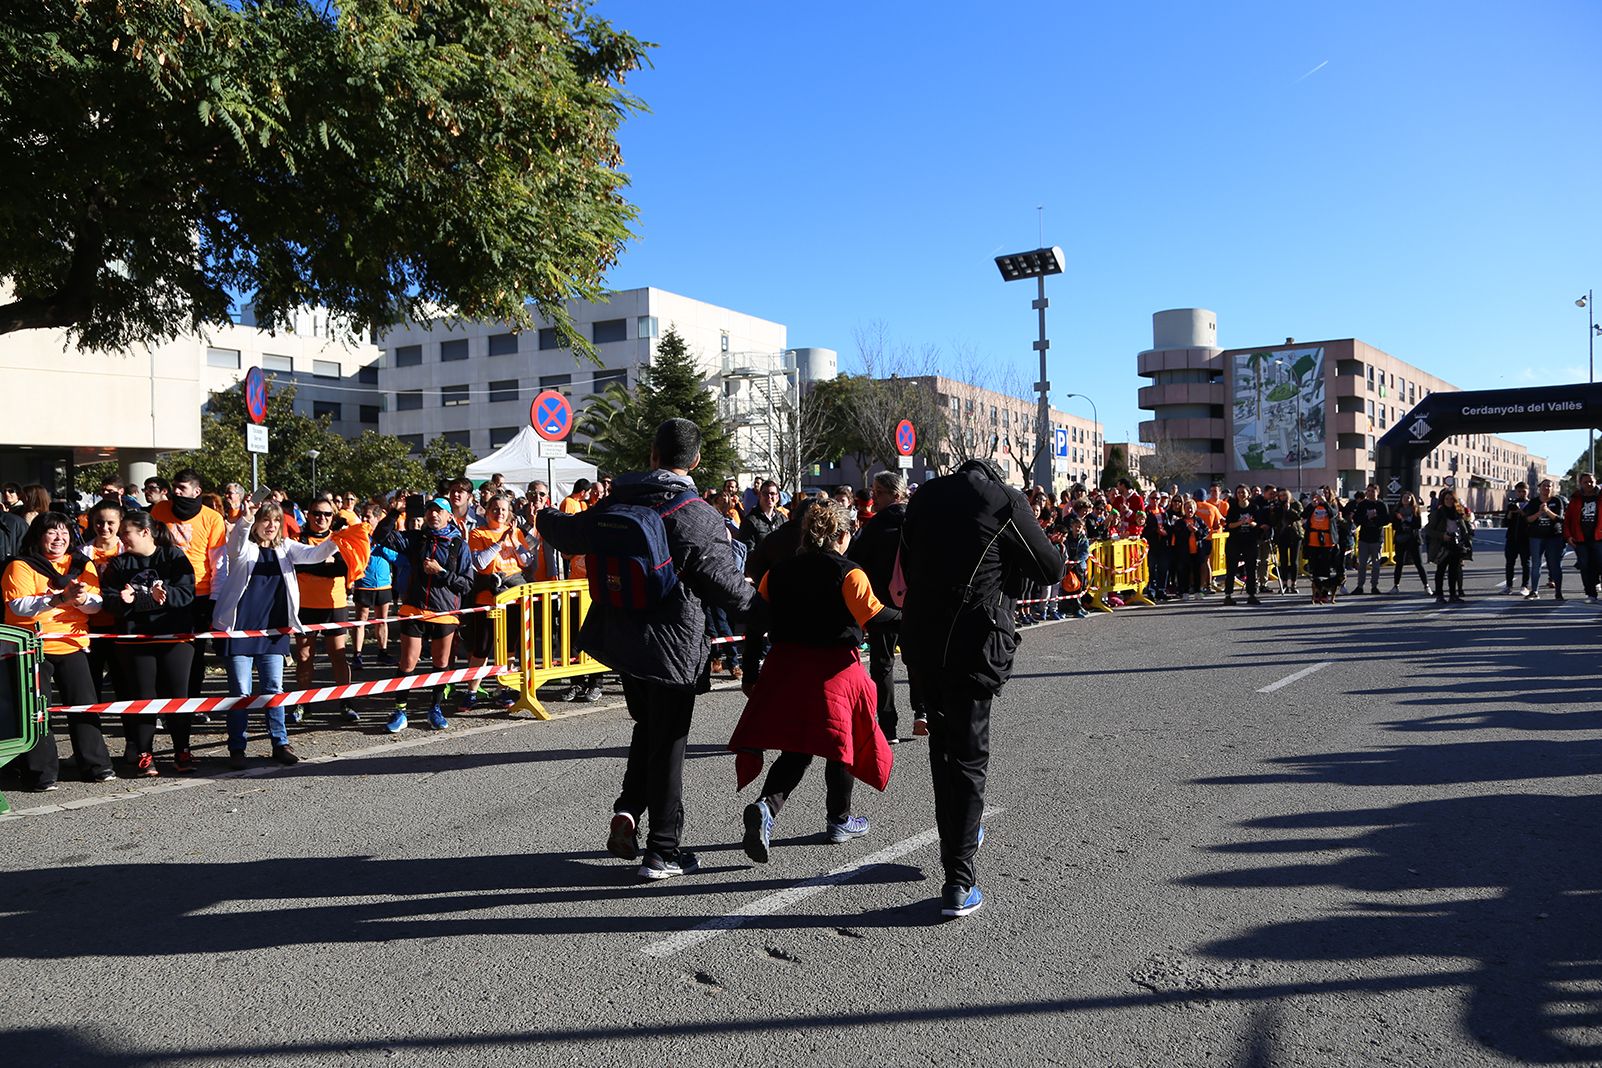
pixel 239 560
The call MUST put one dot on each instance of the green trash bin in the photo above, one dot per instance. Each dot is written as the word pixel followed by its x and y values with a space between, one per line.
pixel 24 712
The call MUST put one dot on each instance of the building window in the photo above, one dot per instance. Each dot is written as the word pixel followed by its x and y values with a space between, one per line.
pixel 223 358
pixel 504 390
pixel 332 409
pixel 549 339
pixel 368 376
pixel 409 400
pixel 503 344
pixel 414 442
pixel 408 355
pixel 368 413
pixel 325 368
pixel 1371 410
pixel 646 326
pixel 1382 416
pixel 455 349
pixel 503 435
pixel 463 438
pixel 607 378
pixel 604 330
pixel 286 364
pixel 561 382
pixel 453 396
pixel 1370 376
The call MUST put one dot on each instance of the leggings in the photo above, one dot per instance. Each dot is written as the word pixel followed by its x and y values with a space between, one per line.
pixel 75 685
pixel 785 776
pixel 1196 575
pixel 1405 551
pixel 156 669
pixel 1449 569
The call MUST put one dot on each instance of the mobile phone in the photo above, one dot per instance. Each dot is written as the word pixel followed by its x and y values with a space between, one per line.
pixel 414 505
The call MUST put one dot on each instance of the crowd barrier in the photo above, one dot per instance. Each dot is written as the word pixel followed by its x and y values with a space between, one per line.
pixel 22 699
pixel 1121 569
pixel 536 629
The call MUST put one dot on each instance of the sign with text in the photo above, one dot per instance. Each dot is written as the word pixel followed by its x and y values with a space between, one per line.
pixel 256 439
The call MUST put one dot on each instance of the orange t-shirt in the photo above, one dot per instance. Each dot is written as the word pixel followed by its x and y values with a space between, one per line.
pixel 573 505
pixel 21 580
pixel 505 561
pixel 198 538
pixel 1209 515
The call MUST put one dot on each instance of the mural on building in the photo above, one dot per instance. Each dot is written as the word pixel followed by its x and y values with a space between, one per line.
pixel 1278 409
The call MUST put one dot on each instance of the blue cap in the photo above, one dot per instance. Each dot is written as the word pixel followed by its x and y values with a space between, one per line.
pixel 441 503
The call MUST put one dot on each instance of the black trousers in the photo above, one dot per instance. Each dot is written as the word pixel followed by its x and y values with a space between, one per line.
pixel 785 775
pixel 75 685
pixel 1449 574
pixel 882 670
pixel 156 670
pixel 653 782
pixel 1519 554
pixel 200 619
pixel 1234 557
pixel 959 758
pixel 1408 550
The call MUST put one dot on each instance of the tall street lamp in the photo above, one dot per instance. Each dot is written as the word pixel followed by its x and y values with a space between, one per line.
pixel 312 454
pixel 1037 265
pixel 1281 362
pixel 1588 302
pixel 1095 461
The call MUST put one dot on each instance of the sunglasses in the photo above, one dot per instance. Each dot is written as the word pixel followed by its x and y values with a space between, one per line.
pixel 322 515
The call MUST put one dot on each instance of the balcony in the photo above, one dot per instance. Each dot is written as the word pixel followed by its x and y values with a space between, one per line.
pixel 1181 393
pixel 1351 386
pixel 1351 423
pixel 1352 459
pixel 1154 360
pixel 1182 430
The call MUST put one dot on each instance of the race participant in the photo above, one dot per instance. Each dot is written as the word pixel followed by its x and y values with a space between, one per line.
pixel 323 598
pixel 811 697
pixel 1582 526
pixel 53 590
pixel 1406 524
pixel 662 652
pixel 1451 538
pixel 1240 550
pixel 1369 516
pixel 1321 546
pixel 500 552
pixel 150 588
pixel 200 532
pixel 439 574
pixel 1516 542
pixel 1545 517
pixel 971 528
pixel 373 594
pixel 258 589
pixel 875 551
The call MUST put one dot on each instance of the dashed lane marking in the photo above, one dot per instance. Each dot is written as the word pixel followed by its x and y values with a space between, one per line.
pixel 1295 676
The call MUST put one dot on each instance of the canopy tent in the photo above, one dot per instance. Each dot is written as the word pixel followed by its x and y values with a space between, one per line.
pixel 519 463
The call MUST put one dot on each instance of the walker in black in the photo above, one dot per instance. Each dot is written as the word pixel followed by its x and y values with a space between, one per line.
pixel 875 549
pixel 969 544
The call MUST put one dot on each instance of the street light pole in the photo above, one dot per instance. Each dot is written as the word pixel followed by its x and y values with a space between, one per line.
pixel 1095 463
pixel 1037 265
pixel 1588 302
pixel 312 455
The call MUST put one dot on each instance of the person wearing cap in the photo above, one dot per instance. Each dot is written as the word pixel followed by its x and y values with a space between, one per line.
pixel 439 574
pixel 968 544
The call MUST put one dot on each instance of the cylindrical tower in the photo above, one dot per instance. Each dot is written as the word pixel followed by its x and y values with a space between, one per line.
pixel 1186 395
pixel 816 365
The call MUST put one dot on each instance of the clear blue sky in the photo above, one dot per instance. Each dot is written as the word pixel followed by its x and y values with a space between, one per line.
pixel 1422 176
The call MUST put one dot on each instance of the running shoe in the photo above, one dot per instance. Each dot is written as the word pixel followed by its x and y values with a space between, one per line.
pixel 46 787
pixel 103 775
pixel 397 722
pixel 356 665
pixel 658 867
pixel 852 827
pixel 183 762
pixel 147 766
pixel 348 711
pixel 436 719
pixel 623 840
pixel 960 900
pixel 980 841
pixel 590 694
pixel 758 831
pixel 920 725
pixel 295 715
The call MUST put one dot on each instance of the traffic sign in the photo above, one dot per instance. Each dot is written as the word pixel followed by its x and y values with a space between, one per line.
pixel 551 415
pixel 906 438
pixel 255 439
pixel 1059 441
pixel 551 450
pixel 256 396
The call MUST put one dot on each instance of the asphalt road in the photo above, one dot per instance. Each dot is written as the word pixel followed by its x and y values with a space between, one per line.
pixel 1390 860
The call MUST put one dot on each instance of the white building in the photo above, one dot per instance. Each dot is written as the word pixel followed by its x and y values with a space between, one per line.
pixel 334 370
pixel 473 382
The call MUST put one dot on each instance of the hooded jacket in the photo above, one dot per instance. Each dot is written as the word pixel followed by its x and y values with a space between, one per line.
pixel 667 645
pixel 432 593
pixel 968 545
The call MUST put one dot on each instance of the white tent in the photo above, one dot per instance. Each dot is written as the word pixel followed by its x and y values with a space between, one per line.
pixel 519 463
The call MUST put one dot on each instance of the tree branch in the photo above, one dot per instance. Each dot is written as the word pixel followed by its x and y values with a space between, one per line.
pixel 70 304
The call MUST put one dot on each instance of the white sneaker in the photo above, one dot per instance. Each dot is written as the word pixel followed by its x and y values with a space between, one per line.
pixel 1532 595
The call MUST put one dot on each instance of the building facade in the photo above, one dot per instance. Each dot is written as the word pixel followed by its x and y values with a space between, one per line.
pixel 1304 414
pixel 473 382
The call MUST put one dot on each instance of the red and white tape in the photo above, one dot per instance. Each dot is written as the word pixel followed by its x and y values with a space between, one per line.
pixel 307 628
pixel 173 706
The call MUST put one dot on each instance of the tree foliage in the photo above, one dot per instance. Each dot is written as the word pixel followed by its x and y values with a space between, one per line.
pixel 387 159
pixel 620 424
pixel 1172 464
pixel 1117 466
pixel 444 460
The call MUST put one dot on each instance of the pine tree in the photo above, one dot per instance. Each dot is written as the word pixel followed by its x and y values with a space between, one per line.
pixel 620 424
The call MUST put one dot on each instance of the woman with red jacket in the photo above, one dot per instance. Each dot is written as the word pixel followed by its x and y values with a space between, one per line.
pixel 811 697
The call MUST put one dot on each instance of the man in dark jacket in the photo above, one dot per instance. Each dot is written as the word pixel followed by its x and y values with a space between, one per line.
pixel 1370 516
pixel 763 519
pixel 662 653
pixel 875 550
pixel 968 545
pixel 1516 546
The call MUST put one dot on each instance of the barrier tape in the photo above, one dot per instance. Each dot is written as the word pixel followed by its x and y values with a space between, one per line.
pixel 307 628
pixel 173 706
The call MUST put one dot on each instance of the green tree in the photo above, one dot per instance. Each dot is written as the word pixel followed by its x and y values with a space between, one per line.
pixel 222 458
pixel 385 159
pixel 1117 466
pixel 619 425
pixel 444 460
pixel 370 466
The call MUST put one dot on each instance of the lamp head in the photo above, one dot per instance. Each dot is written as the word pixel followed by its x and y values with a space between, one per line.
pixel 1582 302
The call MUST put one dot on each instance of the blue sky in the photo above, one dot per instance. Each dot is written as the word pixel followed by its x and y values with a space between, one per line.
pixel 1422 176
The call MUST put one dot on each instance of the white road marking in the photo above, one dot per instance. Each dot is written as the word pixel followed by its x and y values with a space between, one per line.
pixel 778 902
pixel 1295 676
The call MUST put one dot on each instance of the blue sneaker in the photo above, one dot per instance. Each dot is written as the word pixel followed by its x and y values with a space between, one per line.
pixel 758 831
pixel 295 715
pixel 960 900
pixel 436 719
pixel 397 722
pixel 853 827
pixel 348 711
pixel 981 841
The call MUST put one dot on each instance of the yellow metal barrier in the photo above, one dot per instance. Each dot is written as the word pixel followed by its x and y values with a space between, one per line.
pixel 1120 567
pixel 545 649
